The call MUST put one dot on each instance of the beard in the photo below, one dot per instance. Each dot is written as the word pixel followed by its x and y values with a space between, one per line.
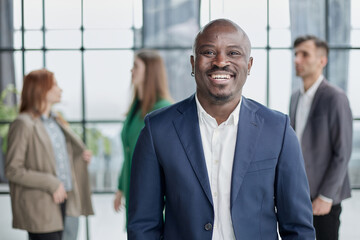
pixel 220 98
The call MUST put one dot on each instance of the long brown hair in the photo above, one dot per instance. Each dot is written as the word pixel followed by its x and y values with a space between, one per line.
pixel 35 87
pixel 155 84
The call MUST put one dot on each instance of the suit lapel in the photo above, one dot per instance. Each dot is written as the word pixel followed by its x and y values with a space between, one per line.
pixel 76 141
pixel 187 128
pixel 293 108
pixel 45 141
pixel 317 97
pixel 249 128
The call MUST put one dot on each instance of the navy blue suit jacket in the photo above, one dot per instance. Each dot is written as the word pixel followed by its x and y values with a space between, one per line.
pixel 269 184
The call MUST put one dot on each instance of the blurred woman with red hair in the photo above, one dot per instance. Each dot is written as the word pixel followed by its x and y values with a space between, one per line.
pixel 46 163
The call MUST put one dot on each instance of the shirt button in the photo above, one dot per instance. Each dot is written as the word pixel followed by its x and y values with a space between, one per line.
pixel 216 161
pixel 215 194
pixel 208 227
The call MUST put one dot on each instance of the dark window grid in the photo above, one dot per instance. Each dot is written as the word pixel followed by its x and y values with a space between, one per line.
pixel 268 48
pixel 83 122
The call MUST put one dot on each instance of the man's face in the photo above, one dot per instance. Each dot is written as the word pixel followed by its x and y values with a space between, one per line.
pixel 309 60
pixel 221 63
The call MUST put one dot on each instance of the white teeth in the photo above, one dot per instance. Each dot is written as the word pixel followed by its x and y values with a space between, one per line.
pixel 222 76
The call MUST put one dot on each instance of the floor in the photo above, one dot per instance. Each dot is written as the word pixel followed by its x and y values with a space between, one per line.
pixel 107 224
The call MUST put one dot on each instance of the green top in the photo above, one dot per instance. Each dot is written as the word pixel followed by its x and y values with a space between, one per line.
pixel 133 124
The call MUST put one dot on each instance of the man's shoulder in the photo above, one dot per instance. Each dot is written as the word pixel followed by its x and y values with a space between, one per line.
pixel 330 87
pixel 295 93
pixel 262 110
pixel 331 93
pixel 170 111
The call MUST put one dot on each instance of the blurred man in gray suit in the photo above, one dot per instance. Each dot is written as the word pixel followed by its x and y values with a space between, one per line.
pixel 321 116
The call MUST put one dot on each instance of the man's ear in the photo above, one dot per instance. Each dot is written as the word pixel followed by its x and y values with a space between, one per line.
pixel 323 61
pixel 250 63
pixel 192 61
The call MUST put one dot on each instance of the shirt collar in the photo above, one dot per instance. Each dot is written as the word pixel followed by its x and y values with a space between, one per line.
pixel 205 117
pixel 52 115
pixel 312 90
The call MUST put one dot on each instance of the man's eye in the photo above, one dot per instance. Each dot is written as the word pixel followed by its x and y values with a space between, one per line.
pixel 208 52
pixel 235 53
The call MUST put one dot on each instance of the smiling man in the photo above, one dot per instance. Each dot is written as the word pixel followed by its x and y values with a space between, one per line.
pixel 221 165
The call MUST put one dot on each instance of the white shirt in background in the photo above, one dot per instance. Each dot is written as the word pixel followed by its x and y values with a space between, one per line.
pixel 304 105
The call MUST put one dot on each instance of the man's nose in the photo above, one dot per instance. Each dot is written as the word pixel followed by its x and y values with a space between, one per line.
pixel 221 60
pixel 298 59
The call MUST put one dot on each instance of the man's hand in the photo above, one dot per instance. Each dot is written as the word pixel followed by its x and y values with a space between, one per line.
pixel 118 201
pixel 60 195
pixel 87 154
pixel 320 207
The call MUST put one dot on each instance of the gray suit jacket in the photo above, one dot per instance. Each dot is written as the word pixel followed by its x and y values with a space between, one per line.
pixel 327 142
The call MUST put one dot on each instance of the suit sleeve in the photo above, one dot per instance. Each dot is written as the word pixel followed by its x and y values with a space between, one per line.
pixel 15 167
pixel 146 201
pixel 341 128
pixel 292 197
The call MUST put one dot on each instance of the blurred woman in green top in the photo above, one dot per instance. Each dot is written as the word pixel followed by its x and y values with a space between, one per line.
pixel 150 93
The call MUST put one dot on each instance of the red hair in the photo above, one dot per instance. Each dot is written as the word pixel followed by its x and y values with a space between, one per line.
pixel 35 87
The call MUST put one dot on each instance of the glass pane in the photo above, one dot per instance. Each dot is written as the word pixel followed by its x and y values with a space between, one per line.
pixel 138 13
pixel 63 14
pixel 178 68
pixel 339 22
pixel 17 39
pixel 8 110
pixel 279 14
pixel 355 38
pixel 17 14
pixel 355 17
pixel 18 70
pixel 108 38
pixel 170 24
pixel 216 9
pixel 33 61
pixel 280 80
pixel 33 39
pixel 108 14
pixel 255 27
pixel 33 17
pixel 354 83
pixel 105 143
pixel 204 13
pixel 255 86
pixel 280 38
pixel 66 66
pixel 354 165
pixel 63 39
pixel 107 83
pixel 337 68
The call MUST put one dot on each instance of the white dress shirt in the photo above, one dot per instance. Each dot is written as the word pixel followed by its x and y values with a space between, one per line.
pixel 218 142
pixel 302 113
pixel 304 105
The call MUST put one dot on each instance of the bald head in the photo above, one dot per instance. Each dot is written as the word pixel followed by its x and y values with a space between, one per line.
pixel 219 25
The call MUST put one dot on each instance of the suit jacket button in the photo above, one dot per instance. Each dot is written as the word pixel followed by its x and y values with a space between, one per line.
pixel 208 226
